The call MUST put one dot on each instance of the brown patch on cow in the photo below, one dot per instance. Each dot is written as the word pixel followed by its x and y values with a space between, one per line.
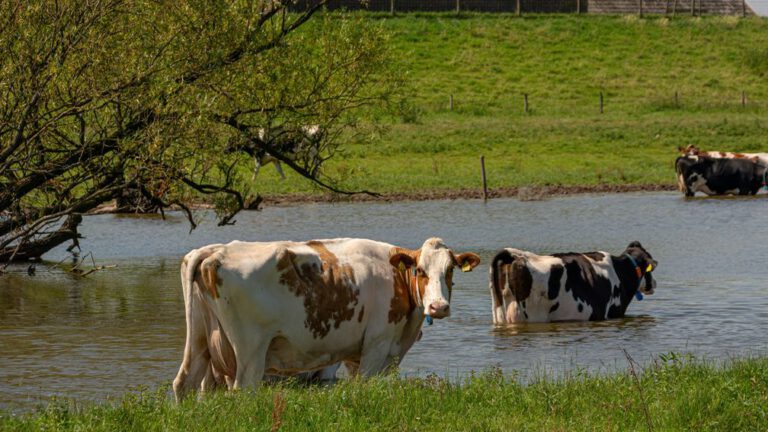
pixel 402 303
pixel 520 280
pixel 405 298
pixel 360 315
pixel 328 290
pixel 209 273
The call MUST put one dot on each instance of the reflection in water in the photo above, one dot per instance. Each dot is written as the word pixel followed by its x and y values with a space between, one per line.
pixel 124 328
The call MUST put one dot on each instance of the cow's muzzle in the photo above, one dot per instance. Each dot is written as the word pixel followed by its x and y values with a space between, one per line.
pixel 439 310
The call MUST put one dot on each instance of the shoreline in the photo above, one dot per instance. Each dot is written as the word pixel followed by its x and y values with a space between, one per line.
pixel 524 193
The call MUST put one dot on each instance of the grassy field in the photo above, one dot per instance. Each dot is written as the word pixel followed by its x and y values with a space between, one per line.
pixel 674 394
pixel 563 62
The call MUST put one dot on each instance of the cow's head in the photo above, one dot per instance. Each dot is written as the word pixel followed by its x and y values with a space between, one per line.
pixel 690 149
pixel 430 271
pixel 645 265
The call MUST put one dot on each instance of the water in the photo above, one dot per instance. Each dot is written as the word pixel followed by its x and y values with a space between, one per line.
pixel 123 329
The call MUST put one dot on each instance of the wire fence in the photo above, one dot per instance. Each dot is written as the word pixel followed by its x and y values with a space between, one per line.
pixel 667 7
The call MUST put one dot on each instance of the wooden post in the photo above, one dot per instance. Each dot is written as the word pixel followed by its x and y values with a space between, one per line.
pixel 392 7
pixel 666 8
pixel 601 102
pixel 525 102
pixel 640 10
pixel 743 99
pixel 743 8
pixel 485 183
pixel 674 8
pixel 578 7
pixel 693 7
pixel 518 12
pixel 450 103
pixel 458 8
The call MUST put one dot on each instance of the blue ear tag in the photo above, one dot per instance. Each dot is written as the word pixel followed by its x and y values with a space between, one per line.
pixel 638 295
pixel 429 320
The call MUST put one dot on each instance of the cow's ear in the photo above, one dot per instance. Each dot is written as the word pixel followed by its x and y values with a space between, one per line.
pixel 467 261
pixel 402 261
pixel 635 244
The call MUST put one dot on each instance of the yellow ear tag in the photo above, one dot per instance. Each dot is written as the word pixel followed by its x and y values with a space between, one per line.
pixel 466 267
pixel 401 266
pixel 649 269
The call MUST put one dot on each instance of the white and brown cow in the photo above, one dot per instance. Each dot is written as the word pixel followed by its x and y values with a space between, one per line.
pixel 692 150
pixel 282 308
pixel 569 286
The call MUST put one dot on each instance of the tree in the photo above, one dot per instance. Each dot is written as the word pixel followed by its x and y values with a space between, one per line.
pixel 98 97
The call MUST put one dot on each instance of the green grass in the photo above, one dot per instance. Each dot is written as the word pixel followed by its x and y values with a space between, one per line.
pixel 674 394
pixel 487 62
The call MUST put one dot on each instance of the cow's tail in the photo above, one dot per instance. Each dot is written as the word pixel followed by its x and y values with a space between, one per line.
pixel 192 267
pixel 497 278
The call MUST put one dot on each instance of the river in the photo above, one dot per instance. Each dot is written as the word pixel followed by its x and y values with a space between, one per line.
pixel 122 329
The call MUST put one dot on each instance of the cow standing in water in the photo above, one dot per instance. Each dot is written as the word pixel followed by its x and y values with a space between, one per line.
pixel 719 176
pixel 283 308
pixel 569 286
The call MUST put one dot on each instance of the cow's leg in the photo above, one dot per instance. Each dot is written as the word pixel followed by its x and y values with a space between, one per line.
pixel 279 169
pixel 251 364
pixel 208 383
pixel 375 358
pixel 256 167
pixel 353 367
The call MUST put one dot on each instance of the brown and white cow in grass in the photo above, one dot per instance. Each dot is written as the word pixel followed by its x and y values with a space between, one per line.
pixel 692 150
pixel 283 308
pixel 590 286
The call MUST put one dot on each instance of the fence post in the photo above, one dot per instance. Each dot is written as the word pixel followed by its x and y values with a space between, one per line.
pixel 458 9
pixel 518 12
pixel 641 9
pixel 601 102
pixel 392 7
pixel 693 7
pixel 578 7
pixel 674 8
pixel 743 8
pixel 485 183
pixel 450 102
pixel 525 102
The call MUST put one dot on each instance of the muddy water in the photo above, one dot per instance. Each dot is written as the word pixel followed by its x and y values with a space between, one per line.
pixel 123 329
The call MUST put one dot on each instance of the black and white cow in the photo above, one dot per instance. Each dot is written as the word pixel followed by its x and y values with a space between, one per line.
pixel 569 286
pixel 716 176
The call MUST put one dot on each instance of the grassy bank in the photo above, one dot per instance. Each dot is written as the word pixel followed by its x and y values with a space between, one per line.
pixel 675 394
pixel 487 62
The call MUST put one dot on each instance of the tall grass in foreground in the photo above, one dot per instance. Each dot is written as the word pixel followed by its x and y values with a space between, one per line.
pixel 673 394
